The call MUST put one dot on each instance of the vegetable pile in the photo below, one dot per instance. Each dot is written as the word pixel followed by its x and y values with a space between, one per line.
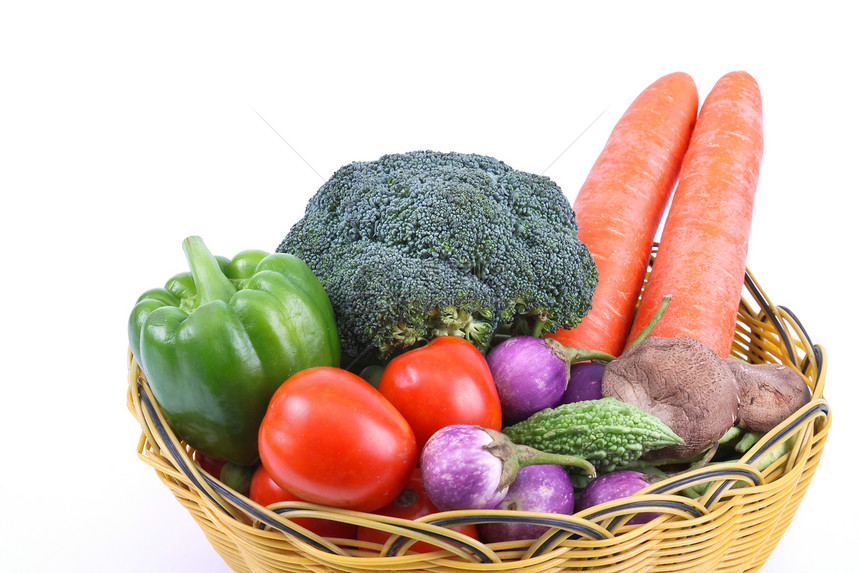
pixel 443 332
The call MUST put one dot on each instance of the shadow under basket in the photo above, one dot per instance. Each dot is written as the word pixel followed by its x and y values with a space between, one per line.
pixel 733 526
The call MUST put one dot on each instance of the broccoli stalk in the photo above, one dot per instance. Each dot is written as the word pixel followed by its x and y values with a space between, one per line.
pixel 424 244
pixel 453 321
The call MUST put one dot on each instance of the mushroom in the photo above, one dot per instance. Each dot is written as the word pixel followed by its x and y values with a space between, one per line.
pixel 699 394
pixel 769 393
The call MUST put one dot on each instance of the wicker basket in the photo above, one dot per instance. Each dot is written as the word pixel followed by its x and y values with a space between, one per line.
pixel 733 526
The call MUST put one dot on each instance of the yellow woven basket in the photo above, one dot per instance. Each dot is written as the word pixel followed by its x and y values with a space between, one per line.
pixel 733 526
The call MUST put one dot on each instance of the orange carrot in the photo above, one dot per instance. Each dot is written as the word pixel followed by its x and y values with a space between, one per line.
pixel 620 205
pixel 703 248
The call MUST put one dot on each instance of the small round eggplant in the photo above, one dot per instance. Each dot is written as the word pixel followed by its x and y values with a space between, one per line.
pixel 458 472
pixel 615 485
pixel 469 467
pixel 529 376
pixel 544 488
pixel 585 382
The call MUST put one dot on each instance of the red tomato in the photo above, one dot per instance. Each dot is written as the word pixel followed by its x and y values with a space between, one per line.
pixel 331 438
pixel 445 382
pixel 412 503
pixel 209 465
pixel 266 492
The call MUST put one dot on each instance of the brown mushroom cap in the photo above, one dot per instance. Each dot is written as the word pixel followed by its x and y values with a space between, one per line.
pixel 681 381
pixel 769 393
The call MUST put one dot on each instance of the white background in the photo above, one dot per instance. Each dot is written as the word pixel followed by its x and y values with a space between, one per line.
pixel 125 127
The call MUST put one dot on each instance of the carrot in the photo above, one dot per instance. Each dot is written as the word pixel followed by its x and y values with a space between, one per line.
pixel 620 205
pixel 703 248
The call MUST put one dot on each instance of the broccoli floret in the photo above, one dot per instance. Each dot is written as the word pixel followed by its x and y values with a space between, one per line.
pixel 422 244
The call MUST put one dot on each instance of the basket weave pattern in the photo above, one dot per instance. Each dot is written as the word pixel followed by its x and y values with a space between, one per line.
pixel 733 527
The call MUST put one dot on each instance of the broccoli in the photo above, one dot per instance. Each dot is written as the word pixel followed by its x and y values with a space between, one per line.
pixel 422 244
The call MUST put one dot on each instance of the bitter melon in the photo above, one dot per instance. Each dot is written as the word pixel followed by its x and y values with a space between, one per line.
pixel 607 432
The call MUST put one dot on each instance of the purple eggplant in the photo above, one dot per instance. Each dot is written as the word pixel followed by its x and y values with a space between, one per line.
pixel 615 485
pixel 529 376
pixel 585 382
pixel 543 488
pixel 469 467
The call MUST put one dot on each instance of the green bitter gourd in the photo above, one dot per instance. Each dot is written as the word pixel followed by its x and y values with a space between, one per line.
pixel 607 432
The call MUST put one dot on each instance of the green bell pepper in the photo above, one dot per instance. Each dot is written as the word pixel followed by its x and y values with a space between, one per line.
pixel 215 343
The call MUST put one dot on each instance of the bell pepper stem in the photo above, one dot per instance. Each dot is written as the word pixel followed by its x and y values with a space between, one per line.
pixel 210 281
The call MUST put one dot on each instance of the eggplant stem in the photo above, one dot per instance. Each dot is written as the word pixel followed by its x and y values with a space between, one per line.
pixel 516 456
pixel 653 322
